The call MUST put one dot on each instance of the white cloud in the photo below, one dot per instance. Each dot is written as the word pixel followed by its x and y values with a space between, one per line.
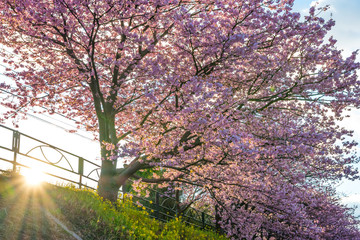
pixel 322 3
pixel 318 2
pixel 351 199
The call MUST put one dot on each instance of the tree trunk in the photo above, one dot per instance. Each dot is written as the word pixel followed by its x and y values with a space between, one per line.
pixel 107 187
pixel 111 179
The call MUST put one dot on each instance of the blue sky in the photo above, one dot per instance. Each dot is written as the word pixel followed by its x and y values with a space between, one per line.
pixel 347 18
pixel 347 32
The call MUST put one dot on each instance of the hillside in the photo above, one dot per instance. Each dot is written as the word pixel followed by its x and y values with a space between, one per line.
pixel 53 212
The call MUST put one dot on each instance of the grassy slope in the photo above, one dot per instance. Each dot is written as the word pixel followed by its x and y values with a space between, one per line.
pixel 22 214
pixel 82 212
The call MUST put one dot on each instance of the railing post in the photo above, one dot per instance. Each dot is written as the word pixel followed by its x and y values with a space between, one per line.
pixel 177 202
pixel 81 171
pixel 15 147
pixel 217 219
pixel 203 220
pixel 157 205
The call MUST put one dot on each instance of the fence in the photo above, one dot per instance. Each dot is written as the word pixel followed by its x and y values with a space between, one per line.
pixel 18 150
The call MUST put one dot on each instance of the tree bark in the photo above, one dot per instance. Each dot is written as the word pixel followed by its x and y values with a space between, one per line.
pixel 107 187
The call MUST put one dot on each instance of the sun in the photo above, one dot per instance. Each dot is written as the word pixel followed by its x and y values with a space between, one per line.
pixel 33 176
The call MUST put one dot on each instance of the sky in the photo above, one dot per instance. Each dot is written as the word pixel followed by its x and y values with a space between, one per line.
pixel 347 31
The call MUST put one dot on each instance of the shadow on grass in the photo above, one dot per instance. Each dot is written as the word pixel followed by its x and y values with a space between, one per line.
pixel 22 212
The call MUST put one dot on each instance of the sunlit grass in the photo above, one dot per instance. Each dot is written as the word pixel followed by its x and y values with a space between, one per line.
pixel 25 215
pixel 99 219
pixel 23 211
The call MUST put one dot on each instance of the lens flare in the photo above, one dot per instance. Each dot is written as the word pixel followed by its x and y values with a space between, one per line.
pixel 33 176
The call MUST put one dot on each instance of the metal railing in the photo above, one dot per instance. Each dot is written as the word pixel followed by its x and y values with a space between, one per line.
pixel 58 164
pixel 164 208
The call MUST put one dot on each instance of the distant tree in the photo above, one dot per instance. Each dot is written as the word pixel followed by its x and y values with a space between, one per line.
pixel 239 98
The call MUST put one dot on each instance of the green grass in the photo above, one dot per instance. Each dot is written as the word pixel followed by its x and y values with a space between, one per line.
pixel 22 214
pixel 84 213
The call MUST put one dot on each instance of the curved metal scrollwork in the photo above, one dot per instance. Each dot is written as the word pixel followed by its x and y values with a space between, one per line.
pixel 94 170
pixel 193 213
pixel 62 156
pixel 169 203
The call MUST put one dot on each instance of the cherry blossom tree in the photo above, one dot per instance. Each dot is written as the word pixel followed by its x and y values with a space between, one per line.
pixel 240 99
